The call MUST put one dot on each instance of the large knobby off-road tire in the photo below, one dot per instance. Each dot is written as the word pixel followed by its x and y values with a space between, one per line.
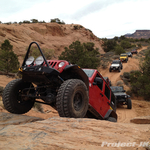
pixel 129 104
pixel 72 99
pixel 12 99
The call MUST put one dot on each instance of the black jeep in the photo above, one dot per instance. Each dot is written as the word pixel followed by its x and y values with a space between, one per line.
pixel 121 97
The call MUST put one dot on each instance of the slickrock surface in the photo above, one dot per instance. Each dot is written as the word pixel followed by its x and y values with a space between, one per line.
pixel 68 133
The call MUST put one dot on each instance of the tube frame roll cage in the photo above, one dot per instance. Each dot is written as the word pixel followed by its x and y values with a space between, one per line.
pixel 27 54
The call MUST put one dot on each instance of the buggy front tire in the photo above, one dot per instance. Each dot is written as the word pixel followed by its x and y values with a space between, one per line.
pixel 72 99
pixel 13 100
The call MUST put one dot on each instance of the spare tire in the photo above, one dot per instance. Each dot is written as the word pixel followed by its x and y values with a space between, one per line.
pixel 72 99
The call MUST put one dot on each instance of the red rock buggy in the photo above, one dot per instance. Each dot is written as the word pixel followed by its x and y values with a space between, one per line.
pixel 72 91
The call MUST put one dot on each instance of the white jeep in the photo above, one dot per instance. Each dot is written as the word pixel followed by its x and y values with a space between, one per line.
pixel 116 65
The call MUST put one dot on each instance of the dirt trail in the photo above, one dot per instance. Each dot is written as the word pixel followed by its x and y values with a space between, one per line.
pixel 132 64
pixel 124 114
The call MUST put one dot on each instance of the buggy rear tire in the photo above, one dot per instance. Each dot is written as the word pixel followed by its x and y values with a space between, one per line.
pixel 12 99
pixel 129 104
pixel 72 99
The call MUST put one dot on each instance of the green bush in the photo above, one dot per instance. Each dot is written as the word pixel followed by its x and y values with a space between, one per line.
pixel 118 50
pixel 85 55
pixel 125 81
pixel 109 45
pixel 1 90
pixel 140 80
pixel 125 44
pixel 8 59
pixel 57 20
pixel 129 92
pixel 38 106
pixel 119 83
pixel 104 64
pixel 126 75
pixel 48 53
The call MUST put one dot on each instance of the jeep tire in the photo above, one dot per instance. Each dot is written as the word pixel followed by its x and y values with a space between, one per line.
pixel 72 99
pixel 12 99
pixel 129 104
pixel 109 69
pixel 119 69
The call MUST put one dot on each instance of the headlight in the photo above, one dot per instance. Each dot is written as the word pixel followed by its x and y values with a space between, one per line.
pixel 39 60
pixel 29 61
pixel 125 96
pixel 61 64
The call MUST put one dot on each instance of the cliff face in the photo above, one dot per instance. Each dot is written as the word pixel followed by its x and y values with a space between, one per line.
pixel 47 35
pixel 138 34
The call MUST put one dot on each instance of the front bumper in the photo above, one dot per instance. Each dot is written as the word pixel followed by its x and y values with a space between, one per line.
pixel 38 74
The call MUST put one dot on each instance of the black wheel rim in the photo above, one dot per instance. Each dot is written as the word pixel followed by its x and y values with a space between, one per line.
pixel 78 100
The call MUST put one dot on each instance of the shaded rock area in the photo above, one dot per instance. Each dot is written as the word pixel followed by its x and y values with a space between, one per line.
pixel 68 134
pixel 141 120
pixel 14 119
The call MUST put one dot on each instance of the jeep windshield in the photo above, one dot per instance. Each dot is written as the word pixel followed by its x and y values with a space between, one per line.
pixel 89 72
pixel 117 89
pixel 115 62
pixel 123 55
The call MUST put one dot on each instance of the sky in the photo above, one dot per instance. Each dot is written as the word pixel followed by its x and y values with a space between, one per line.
pixel 105 18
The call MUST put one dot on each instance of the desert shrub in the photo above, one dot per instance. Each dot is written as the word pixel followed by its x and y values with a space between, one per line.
pixel 89 30
pixel 126 75
pixel 34 21
pixel 48 53
pixel 104 64
pixel 26 21
pixel 109 45
pixel 8 59
pixel 76 27
pixel 125 81
pixel 85 55
pixel 125 44
pixel 57 20
pixel 38 106
pixel 118 50
pixel 139 45
pixel 119 83
pixel 1 90
pixel 115 57
pixel 140 80
pixel 129 92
